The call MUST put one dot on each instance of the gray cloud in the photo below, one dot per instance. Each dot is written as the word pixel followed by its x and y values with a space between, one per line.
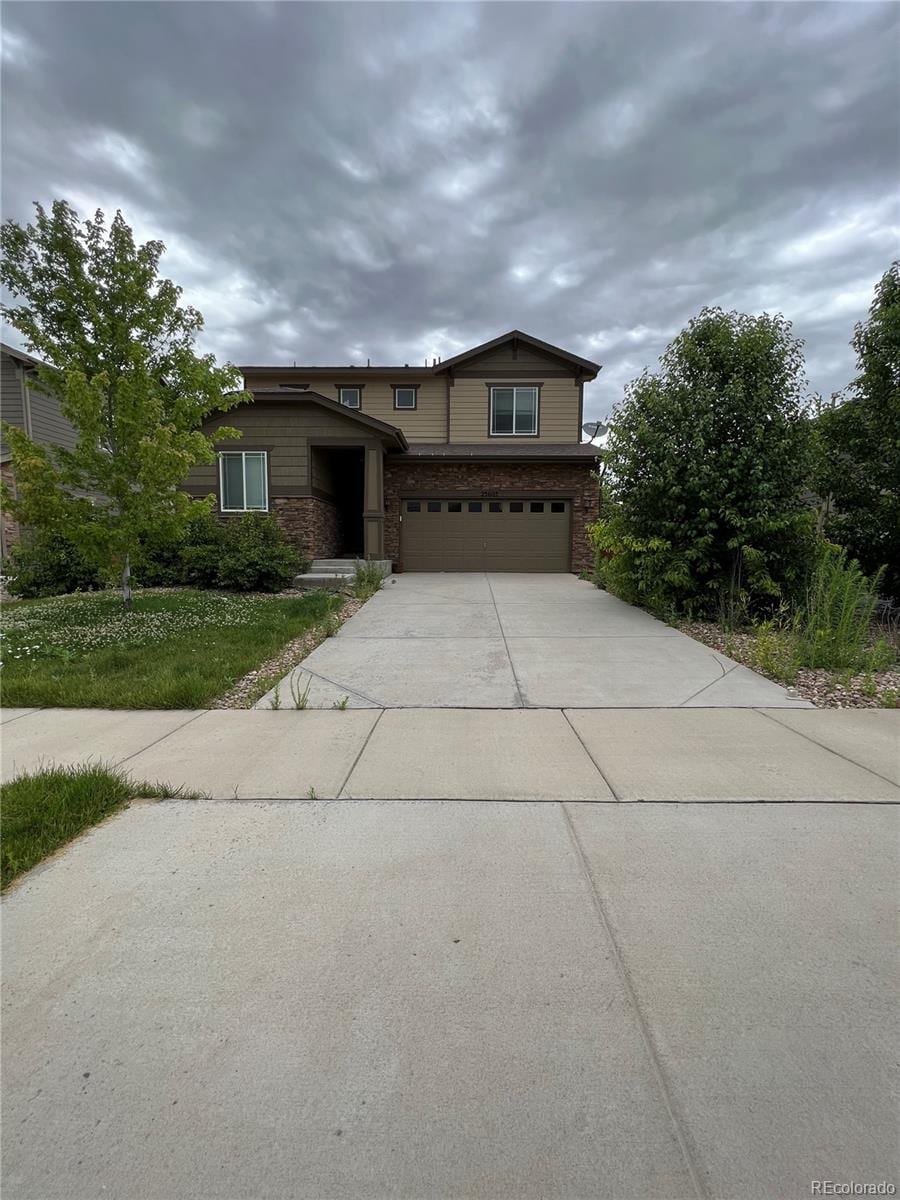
pixel 342 181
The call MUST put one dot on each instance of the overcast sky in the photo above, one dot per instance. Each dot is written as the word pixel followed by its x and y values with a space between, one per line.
pixel 339 182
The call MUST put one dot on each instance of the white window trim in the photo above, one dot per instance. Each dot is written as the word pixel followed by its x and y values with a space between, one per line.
pixel 223 454
pixel 350 387
pixel 505 387
pixel 405 407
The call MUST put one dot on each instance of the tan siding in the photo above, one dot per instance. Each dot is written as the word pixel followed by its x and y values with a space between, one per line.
pixel 426 423
pixel 501 359
pixel 558 417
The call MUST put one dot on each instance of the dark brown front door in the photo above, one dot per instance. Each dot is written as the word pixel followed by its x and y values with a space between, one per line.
pixel 474 534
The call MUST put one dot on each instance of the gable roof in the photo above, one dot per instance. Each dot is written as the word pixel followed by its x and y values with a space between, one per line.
pixel 333 406
pixel 586 368
pixel 27 360
pixel 591 369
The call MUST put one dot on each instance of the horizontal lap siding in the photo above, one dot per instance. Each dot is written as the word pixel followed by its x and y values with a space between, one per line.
pixel 427 422
pixel 558 416
pixel 283 430
pixel 48 425
pixel 12 408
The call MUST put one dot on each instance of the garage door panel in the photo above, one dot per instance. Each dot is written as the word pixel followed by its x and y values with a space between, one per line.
pixel 533 539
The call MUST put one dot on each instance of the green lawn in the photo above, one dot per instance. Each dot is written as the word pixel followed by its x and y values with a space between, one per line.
pixel 41 812
pixel 174 650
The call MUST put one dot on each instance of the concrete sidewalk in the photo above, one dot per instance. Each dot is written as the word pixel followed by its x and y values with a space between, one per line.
pixel 286 1001
pixel 514 754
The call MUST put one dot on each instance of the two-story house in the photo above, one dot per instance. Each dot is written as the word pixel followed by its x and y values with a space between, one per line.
pixel 470 464
pixel 25 404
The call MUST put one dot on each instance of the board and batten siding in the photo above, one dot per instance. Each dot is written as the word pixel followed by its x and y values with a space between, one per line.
pixel 285 431
pixel 427 422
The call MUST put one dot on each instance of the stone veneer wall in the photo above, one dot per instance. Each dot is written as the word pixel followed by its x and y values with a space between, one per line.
pixel 10 524
pixel 312 525
pixel 409 477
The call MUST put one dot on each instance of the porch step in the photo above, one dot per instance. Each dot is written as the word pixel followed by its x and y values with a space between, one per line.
pixel 334 566
pixel 335 572
pixel 323 579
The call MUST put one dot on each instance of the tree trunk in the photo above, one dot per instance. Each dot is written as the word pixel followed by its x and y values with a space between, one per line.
pixel 126 583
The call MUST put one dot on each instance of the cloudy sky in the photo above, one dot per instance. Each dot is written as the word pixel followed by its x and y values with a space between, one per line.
pixel 336 182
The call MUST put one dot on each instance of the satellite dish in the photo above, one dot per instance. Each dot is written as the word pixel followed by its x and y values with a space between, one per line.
pixel 594 429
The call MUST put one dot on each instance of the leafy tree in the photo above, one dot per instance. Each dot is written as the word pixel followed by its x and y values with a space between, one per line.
pixel 860 466
pixel 119 355
pixel 707 463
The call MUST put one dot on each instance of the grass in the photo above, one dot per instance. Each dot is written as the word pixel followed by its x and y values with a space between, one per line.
pixel 367 580
pixel 42 811
pixel 178 649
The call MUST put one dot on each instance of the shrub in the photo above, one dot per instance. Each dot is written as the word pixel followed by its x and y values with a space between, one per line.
pixel 48 564
pixel 706 464
pixel 244 554
pixel 367 580
pixel 833 626
pixel 256 556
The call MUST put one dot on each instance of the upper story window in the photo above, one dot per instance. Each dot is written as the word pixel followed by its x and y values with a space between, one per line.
pixel 350 397
pixel 405 397
pixel 514 411
pixel 243 481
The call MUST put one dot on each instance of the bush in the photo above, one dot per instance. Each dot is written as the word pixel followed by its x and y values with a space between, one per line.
pixel 367 580
pixel 47 564
pixel 833 626
pixel 244 554
pixel 256 557
pixel 706 465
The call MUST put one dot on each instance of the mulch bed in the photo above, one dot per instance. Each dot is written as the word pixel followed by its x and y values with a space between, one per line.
pixel 256 683
pixel 824 689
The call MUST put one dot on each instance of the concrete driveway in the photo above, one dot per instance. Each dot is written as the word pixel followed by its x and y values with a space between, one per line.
pixel 517 641
pixel 424 1000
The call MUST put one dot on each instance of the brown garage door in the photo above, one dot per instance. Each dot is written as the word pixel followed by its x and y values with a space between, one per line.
pixel 485 535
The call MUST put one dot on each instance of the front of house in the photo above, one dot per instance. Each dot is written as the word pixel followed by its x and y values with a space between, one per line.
pixel 470 464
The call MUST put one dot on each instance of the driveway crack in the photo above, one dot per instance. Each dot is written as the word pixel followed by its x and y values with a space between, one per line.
pixel 512 668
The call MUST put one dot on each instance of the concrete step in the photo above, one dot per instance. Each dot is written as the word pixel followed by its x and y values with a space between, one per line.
pixel 323 579
pixel 334 566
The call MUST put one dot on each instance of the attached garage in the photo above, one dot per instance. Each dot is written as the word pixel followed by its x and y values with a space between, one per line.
pixel 479 534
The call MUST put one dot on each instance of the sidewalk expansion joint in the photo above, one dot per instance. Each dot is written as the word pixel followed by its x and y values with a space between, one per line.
pixel 584 747
pixel 646 1035
pixel 362 748
pixel 163 736
pixel 830 749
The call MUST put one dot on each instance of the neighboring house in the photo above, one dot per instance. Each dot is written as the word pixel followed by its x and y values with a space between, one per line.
pixel 474 463
pixel 23 403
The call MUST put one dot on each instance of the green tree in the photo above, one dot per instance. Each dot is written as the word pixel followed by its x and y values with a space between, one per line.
pixel 707 462
pixel 860 463
pixel 119 355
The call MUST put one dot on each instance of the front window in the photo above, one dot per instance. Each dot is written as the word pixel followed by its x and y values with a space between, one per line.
pixel 404 397
pixel 514 411
pixel 349 396
pixel 243 481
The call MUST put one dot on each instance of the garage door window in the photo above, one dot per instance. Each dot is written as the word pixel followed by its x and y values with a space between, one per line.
pixel 537 506
pixel 558 506
pixel 434 506
pixel 516 506
pixel 454 506
pixel 474 506
pixel 413 506
pixel 495 506
pixel 514 411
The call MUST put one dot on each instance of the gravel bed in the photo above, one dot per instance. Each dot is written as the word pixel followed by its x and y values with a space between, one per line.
pixel 824 689
pixel 256 683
